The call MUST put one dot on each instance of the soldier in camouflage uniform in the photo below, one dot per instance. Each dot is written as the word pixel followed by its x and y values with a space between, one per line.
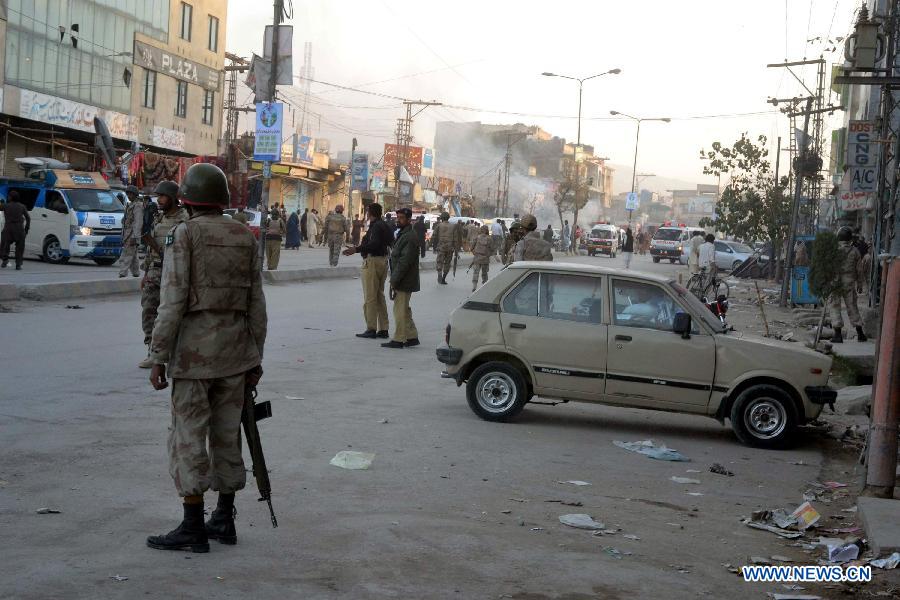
pixel 132 223
pixel 170 214
pixel 532 246
pixel 849 274
pixel 443 240
pixel 483 249
pixel 209 335
pixel 516 233
pixel 337 231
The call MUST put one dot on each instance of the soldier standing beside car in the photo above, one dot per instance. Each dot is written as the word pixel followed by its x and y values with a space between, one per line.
pixel 132 225
pixel 532 247
pixel 169 216
pixel 442 240
pixel 209 336
pixel 516 233
pixel 404 282
pixel 337 231
pixel 483 249
pixel 849 281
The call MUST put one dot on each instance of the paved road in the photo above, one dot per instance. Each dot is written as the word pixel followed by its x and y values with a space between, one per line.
pixel 453 507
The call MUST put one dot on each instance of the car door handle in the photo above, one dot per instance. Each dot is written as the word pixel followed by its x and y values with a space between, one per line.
pixel 44 215
pixel 517 325
pixel 623 338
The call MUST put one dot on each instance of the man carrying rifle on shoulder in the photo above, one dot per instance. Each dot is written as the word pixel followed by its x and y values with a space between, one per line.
pixel 209 335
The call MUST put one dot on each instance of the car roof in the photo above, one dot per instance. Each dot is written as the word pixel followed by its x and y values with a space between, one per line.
pixel 589 269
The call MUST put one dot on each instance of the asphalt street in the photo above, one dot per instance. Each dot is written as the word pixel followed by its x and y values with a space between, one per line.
pixel 452 506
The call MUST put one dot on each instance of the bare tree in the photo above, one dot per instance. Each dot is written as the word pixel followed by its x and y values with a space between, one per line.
pixel 570 196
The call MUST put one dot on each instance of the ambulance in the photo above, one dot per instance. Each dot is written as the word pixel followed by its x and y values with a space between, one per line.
pixel 74 214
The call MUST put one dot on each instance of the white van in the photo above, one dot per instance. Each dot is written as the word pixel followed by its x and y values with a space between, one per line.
pixel 670 242
pixel 74 214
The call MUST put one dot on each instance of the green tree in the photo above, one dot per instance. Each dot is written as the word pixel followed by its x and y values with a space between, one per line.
pixel 753 206
pixel 825 266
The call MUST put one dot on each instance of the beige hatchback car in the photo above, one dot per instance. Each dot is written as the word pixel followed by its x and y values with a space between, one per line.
pixel 584 333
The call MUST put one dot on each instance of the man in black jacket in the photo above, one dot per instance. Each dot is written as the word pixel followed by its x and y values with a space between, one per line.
pixel 404 281
pixel 16 224
pixel 420 228
pixel 374 248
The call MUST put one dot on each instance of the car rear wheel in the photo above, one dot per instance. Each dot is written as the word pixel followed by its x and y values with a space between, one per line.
pixel 736 264
pixel 656 259
pixel 672 260
pixel 496 391
pixel 763 416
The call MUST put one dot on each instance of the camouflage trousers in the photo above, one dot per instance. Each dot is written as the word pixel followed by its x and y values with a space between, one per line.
pixel 207 412
pixel 335 243
pixel 444 261
pixel 150 301
pixel 128 260
pixel 483 269
pixel 849 298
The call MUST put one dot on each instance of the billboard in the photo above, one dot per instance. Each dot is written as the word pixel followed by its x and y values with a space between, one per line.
pixel 413 162
pixel 359 179
pixel 269 119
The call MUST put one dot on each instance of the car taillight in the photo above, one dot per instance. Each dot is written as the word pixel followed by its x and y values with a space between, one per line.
pixel 447 335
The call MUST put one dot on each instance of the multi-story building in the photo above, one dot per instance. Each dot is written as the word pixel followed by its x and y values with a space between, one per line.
pixel 150 69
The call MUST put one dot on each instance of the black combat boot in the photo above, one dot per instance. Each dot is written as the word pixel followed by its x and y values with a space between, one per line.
pixel 382 334
pixel 837 338
pixel 221 522
pixel 189 536
pixel 861 335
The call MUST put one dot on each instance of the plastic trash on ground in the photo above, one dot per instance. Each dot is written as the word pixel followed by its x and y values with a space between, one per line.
pixel 686 480
pixel 647 448
pixel 806 516
pixel 574 482
pixel 581 521
pixel 888 562
pixel 843 553
pixel 356 461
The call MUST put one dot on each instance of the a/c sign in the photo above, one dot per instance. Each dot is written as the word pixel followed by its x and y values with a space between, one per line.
pixel 863 179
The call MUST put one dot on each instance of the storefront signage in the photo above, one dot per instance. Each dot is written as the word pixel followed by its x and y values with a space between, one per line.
pixel 67 113
pixel 157 59
pixel 167 138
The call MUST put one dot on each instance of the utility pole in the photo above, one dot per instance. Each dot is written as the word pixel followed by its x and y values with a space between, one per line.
pixel 238 65
pixel 267 166
pixel 795 207
pixel 404 136
pixel 350 181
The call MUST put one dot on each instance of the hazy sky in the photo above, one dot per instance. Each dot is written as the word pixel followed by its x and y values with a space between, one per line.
pixel 678 59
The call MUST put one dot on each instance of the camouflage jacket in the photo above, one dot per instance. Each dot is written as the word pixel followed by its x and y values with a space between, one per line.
pixel 850 262
pixel 510 242
pixel 212 313
pixel 336 224
pixel 162 227
pixel 443 237
pixel 532 247
pixel 133 222
pixel 482 249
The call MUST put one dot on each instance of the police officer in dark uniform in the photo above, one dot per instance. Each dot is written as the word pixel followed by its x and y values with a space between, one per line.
pixel 16 223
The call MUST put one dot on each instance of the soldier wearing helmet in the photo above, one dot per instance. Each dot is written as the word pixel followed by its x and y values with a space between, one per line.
pixel 482 249
pixel 532 246
pixel 337 232
pixel 444 241
pixel 169 215
pixel 516 233
pixel 849 280
pixel 209 336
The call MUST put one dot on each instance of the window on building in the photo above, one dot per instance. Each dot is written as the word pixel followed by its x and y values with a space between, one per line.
pixel 187 17
pixel 209 98
pixel 181 100
pixel 149 89
pixel 213 42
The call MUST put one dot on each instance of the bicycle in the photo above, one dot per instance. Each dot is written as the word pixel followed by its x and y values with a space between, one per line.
pixel 705 286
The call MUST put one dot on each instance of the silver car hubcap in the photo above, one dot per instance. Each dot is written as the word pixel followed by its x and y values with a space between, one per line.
pixel 54 252
pixel 496 392
pixel 765 418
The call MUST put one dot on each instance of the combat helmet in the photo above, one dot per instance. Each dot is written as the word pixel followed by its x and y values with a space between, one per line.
pixel 167 188
pixel 844 234
pixel 204 184
pixel 529 222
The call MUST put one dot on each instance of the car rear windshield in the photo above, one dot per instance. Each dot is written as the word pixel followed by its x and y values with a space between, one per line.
pixel 94 201
pixel 743 248
pixel 667 234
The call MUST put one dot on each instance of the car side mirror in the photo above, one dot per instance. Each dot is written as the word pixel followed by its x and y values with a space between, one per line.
pixel 682 325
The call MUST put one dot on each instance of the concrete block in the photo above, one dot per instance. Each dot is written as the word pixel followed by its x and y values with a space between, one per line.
pixel 881 520
pixel 861 354
pixel 9 291
pixel 79 289
pixel 854 399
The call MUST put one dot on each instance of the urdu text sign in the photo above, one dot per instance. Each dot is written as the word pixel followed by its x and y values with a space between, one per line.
pixel 269 117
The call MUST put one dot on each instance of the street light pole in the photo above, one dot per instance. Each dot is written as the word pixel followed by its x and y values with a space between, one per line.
pixel 637 140
pixel 578 138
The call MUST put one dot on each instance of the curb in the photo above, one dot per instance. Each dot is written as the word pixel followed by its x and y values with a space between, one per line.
pixel 131 285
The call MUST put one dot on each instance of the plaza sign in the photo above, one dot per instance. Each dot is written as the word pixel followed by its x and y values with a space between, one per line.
pixel 156 59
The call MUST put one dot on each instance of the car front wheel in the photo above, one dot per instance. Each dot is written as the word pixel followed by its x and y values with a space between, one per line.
pixel 496 391
pixel 763 416
pixel 737 263
pixel 656 259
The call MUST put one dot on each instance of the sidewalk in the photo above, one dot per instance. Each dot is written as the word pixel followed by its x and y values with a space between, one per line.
pixel 77 279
